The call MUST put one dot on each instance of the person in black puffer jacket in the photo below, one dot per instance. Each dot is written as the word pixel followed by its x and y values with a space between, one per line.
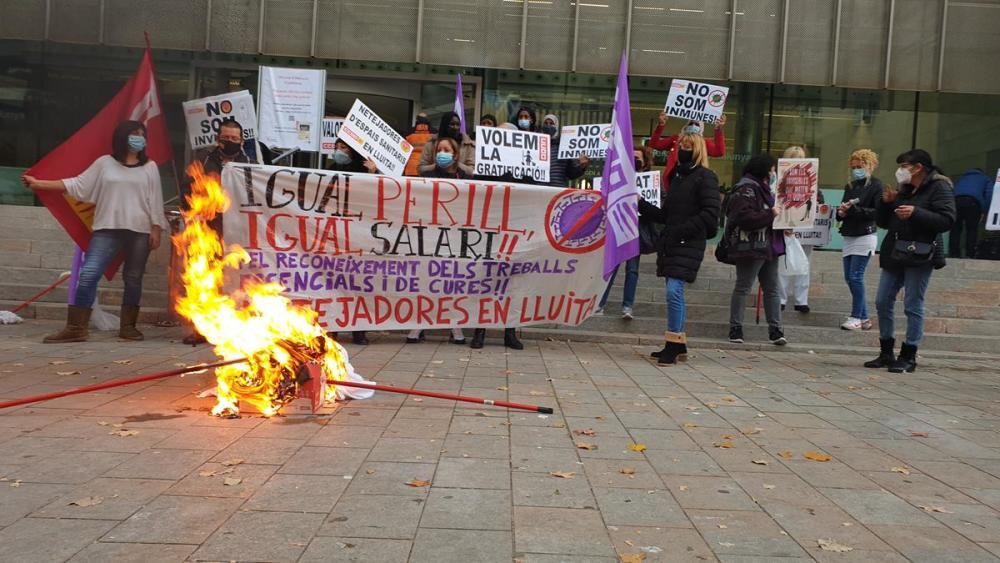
pixel 857 215
pixel 690 212
pixel 915 214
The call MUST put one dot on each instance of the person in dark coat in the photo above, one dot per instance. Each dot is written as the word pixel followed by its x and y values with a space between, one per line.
pixel 690 213
pixel 860 234
pixel 973 194
pixel 562 170
pixel 915 216
pixel 750 213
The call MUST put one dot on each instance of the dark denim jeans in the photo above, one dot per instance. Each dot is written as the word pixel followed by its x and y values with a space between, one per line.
pixel 854 275
pixel 105 244
pixel 914 282
pixel 631 283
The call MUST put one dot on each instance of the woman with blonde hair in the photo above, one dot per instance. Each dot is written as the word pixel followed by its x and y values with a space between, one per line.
pixel 856 214
pixel 689 211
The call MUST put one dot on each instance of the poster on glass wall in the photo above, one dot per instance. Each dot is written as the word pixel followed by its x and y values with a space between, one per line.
pixel 993 217
pixel 290 107
pixel 796 192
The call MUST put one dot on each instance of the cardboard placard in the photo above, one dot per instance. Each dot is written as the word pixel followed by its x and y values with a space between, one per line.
pixel 648 184
pixel 331 130
pixel 590 140
pixel 696 101
pixel 519 153
pixel 796 192
pixel 204 116
pixel 993 216
pixel 375 139
pixel 819 234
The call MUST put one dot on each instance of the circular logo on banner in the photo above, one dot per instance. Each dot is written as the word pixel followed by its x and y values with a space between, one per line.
pixel 574 221
pixel 716 99
pixel 226 106
pixel 606 134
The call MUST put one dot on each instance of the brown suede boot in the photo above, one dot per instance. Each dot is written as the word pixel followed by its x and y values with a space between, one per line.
pixel 76 329
pixel 127 330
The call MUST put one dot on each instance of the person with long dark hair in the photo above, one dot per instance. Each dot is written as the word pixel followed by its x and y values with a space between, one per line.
pixel 915 214
pixel 124 187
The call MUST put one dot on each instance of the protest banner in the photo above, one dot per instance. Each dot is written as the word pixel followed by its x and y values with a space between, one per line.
pixel 993 216
pixel 695 101
pixel 590 140
pixel 375 139
pixel 331 130
pixel 375 252
pixel 796 192
pixel 204 116
pixel 521 154
pixel 648 184
pixel 819 234
pixel 290 106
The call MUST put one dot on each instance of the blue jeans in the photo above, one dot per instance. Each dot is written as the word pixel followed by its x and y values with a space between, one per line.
pixel 676 308
pixel 854 274
pixel 914 281
pixel 631 282
pixel 105 244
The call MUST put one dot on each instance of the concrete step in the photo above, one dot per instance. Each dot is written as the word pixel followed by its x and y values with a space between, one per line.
pixel 105 295
pixel 57 311
pixel 41 277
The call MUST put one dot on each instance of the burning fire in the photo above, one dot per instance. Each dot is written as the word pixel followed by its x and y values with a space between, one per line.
pixel 258 323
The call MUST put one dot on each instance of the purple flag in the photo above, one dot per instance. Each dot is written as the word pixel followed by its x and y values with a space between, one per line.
pixel 460 102
pixel 618 188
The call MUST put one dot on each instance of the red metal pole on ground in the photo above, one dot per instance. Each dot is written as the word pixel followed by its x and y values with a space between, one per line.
pixel 446 396
pixel 32 299
pixel 115 383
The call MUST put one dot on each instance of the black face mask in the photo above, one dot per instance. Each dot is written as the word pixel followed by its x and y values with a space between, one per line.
pixel 685 158
pixel 231 148
pixel 639 165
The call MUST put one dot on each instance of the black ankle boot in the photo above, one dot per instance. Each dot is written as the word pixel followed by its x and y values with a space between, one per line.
pixel 360 337
pixel 478 338
pixel 673 350
pixel 907 360
pixel 886 356
pixel 510 339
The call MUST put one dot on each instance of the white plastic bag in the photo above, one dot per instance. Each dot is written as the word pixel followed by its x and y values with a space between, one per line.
pixel 794 262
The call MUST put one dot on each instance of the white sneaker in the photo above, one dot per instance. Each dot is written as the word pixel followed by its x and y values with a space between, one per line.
pixel 599 312
pixel 627 313
pixel 852 324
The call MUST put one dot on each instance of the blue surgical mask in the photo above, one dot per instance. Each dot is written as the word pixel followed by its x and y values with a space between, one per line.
pixel 772 180
pixel 136 143
pixel 859 173
pixel 524 124
pixel 693 130
pixel 444 159
pixel 341 158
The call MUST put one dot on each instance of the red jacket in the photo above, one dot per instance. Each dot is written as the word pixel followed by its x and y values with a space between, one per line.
pixel 715 146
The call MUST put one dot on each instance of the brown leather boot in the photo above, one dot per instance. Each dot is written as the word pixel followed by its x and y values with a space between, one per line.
pixel 127 330
pixel 76 329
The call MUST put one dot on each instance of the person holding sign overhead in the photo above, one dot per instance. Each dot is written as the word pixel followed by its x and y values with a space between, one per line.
pixel 562 170
pixel 689 211
pixel 715 147
pixel 451 128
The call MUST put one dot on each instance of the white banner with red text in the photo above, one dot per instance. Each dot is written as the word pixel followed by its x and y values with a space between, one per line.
pixel 376 252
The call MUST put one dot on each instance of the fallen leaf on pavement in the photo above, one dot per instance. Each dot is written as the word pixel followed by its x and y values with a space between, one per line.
pixel 787 454
pixel 563 474
pixel 536 393
pixel 232 481
pixel 587 432
pixel 558 425
pixel 102 423
pixel 633 558
pixel 759 462
pixel 902 470
pixel 16 483
pixel 123 433
pixel 87 501
pixel 682 488
pixel 768 487
pixel 920 434
pixel 502 388
pixel 723 527
pixel 934 509
pixel 58 362
pixel 211 473
pixel 369 471
pixel 750 432
pixel 417 400
pixel 725 444
pixel 585 446
pixel 74 372
pixel 816 456
pixel 627 471
pixel 123 362
pixel 690 425
pixel 232 462
pixel 637 447
pixel 418 483
pixel 830 545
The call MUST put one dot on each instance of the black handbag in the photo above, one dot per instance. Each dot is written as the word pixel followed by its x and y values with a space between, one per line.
pixel 648 235
pixel 912 253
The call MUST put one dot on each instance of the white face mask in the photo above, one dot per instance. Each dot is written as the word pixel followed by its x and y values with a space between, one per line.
pixel 903 175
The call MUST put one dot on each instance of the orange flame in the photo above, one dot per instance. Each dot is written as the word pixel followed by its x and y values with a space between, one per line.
pixel 258 323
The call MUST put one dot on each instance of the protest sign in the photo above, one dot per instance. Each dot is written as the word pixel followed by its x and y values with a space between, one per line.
pixel 375 139
pixel 819 233
pixel 375 252
pixel 204 116
pixel 796 192
pixel 648 184
pixel 696 101
pixel 291 106
pixel 331 130
pixel 590 140
pixel 993 216
pixel 521 154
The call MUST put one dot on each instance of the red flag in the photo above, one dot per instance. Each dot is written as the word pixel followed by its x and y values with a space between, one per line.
pixel 138 100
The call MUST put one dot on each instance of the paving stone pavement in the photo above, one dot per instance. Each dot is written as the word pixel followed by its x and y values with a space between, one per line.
pixel 706 461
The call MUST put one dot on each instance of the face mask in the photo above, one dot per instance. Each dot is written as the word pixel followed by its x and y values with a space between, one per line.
pixel 903 176
pixel 444 159
pixel 549 130
pixel 341 158
pixel 231 148
pixel 524 124
pixel 772 180
pixel 692 130
pixel 859 173
pixel 136 142
pixel 686 158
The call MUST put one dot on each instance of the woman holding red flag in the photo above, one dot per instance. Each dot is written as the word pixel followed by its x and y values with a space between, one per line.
pixel 128 217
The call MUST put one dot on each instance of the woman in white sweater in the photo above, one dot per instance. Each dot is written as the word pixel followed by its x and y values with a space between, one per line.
pixel 128 217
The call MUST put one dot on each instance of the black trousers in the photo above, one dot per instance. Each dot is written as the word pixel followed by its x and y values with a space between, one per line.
pixel 969 214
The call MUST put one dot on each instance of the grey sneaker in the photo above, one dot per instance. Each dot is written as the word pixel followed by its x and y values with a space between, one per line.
pixel 627 313
pixel 599 312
